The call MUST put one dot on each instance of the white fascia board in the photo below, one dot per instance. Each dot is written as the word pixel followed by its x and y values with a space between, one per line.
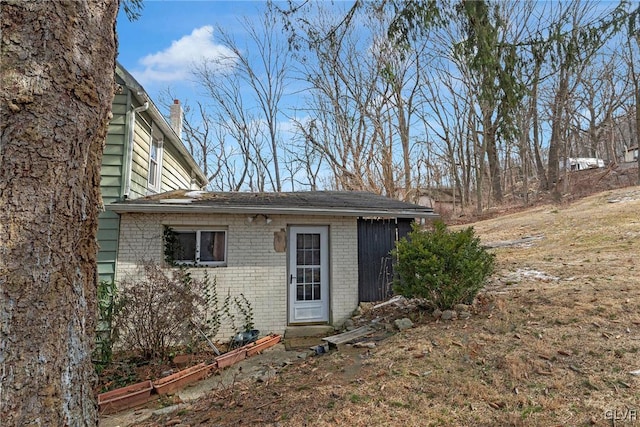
pixel 170 208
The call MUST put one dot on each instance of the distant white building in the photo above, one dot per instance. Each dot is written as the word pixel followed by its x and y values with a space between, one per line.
pixel 582 163
pixel 631 154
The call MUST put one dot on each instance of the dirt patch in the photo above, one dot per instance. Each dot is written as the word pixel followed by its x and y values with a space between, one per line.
pixel 552 341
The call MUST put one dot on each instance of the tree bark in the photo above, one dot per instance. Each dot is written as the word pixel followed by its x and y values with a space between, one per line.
pixel 542 174
pixel 636 92
pixel 557 117
pixel 489 134
pixel 56 89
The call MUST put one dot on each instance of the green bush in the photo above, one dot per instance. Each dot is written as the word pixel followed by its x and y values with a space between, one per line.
pixel 444 267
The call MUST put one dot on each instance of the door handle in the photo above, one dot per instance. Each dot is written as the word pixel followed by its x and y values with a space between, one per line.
pixel 291 279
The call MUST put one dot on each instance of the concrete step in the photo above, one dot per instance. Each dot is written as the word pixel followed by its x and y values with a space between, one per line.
pixel 308 331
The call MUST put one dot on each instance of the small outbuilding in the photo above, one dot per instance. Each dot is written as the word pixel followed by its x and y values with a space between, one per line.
pixel 631 154
pixel 300 258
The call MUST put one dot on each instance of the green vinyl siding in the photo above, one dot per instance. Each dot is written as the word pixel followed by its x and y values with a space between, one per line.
pixel 106 257
pixel 116 129
pixel 109 245
pixel 113 146
pixel 105 271
pixel 110 195
pixel 110 181
pixel 119 107
pixel 108 231
pixel 109 220
pixel 111 186
pixel 111 160
pixel 176 172
pixel 112 171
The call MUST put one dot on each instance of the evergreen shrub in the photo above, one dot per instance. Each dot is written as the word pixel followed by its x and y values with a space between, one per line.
pixel 444 267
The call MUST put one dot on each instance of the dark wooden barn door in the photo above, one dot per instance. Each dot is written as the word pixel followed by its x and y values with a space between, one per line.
pixel 376 239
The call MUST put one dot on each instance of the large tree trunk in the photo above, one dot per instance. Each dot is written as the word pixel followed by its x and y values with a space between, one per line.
pixel 535 124
pixel 557 117
pixel 494 163
pixel 636 91
pixel 56 89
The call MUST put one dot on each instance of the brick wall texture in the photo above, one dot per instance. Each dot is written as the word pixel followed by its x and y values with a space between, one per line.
pixel 254 268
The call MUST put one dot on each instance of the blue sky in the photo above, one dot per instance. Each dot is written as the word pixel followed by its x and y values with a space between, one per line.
pixel 158 48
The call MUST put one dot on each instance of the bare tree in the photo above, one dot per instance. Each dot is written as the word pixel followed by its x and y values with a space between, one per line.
pixel 573 51
pixel 634 34
pixel 250 117
pixel 363 100
pixel 342 91
pixel 57 74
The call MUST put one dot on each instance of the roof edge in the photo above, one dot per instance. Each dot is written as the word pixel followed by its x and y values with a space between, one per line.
pixel 168 208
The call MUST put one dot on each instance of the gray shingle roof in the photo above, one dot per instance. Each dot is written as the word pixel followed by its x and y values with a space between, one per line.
pixel 338 203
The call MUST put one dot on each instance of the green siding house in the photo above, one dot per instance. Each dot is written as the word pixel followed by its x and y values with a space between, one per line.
pixel 144 155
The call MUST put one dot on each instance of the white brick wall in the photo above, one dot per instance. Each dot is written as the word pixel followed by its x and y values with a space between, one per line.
pixel 253 268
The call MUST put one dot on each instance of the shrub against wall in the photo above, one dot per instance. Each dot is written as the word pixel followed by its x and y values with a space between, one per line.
pixel 445 267
pixel 167 307
pixel 155 311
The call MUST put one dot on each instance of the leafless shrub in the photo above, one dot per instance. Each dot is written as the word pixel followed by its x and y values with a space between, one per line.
pixel 155 311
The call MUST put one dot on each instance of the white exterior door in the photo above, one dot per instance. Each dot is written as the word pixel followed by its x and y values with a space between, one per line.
pixel 308 274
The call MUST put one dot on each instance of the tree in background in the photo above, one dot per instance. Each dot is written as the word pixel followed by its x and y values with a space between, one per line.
pixel 244 89
pixel 481 100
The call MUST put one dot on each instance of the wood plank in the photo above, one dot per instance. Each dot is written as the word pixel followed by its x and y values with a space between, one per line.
pixel 345 337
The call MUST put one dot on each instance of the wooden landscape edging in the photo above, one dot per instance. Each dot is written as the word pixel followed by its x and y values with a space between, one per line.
pixel 231 357
pixel 125 397
pixel 180 379
pixel 140 393
pixel 262 344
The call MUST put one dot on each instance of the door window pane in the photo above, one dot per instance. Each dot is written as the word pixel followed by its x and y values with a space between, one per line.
pixel 308 249
pixel 308 284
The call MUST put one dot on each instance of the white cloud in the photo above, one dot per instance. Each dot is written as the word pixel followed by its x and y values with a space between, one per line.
pixel 174 63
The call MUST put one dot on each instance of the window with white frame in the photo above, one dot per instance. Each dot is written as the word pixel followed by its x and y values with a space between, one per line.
pixel 198 247
pixel 155 164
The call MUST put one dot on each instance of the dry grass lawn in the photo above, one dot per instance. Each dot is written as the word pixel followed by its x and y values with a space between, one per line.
pixel 551 342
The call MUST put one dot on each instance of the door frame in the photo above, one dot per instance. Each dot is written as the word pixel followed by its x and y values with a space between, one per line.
pixel 292 304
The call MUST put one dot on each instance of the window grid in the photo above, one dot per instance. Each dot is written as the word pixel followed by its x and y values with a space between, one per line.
pixel 308 267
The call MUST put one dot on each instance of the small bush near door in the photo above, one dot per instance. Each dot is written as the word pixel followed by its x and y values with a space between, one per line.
pixel 444 267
